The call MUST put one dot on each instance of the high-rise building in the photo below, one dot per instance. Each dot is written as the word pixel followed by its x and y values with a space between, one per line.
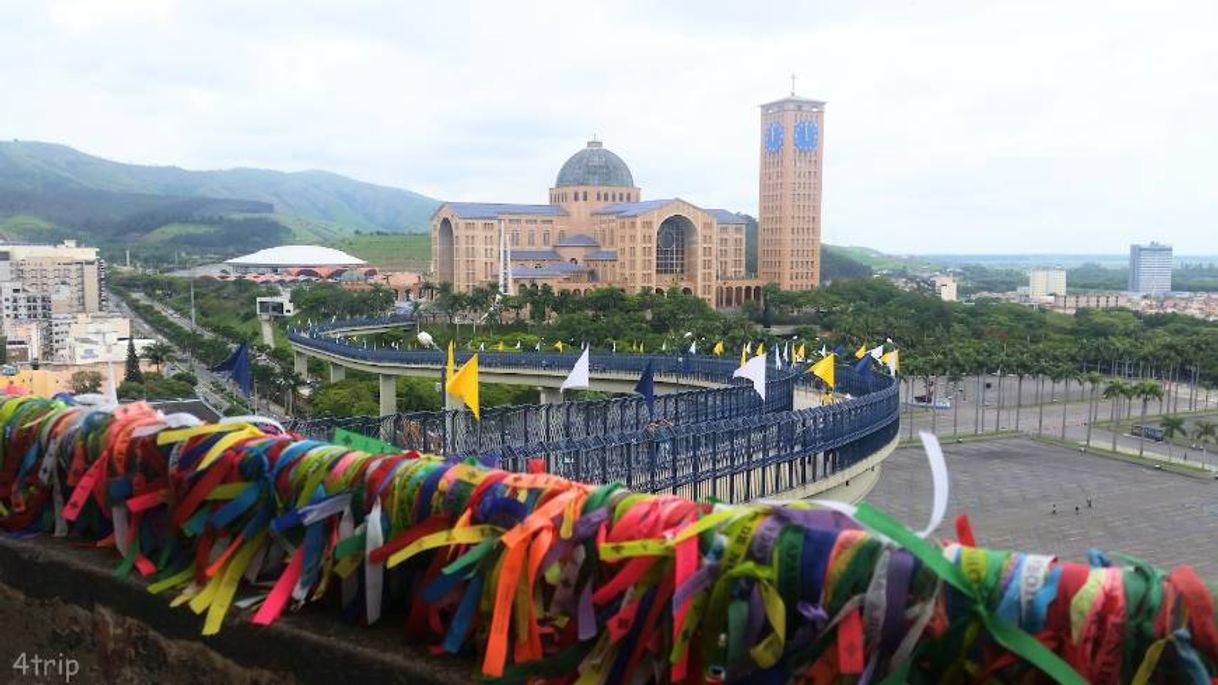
pixel 1046 282
pixel 1150 269
pixel 74 277
pixel 789 221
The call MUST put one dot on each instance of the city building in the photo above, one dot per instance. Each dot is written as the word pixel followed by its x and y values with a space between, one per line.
pixel 1069 304
pixel 597 230
pixel 1150 269
pixel 73 277
pixel 789 219
pixel 296 260
pixel 1046 282
pixel 945 286
pixel 88 338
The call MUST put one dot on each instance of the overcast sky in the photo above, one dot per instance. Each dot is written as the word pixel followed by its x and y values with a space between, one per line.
pixel 951 127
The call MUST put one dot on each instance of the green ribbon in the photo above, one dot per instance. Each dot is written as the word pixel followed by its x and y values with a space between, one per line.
pixel 1010 636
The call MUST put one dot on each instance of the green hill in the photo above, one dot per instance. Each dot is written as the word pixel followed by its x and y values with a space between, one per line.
pixel 43 168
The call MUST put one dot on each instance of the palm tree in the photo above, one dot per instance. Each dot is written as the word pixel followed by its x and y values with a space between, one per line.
pixel 1145 391
pixel 1068 374
pixel 1115 391
pixel 1173 427
pixel 1094 379
pixel 1205 432
pixel 1020 365
pixel 159 353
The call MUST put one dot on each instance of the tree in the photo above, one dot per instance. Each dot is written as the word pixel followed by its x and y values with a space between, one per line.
pixel 1145 391
pixel 1204 433
pixel 1115 392
pixel 84 382
pixel 159 353
pixel 132 372
pixel 1173 427
pixel 1094 379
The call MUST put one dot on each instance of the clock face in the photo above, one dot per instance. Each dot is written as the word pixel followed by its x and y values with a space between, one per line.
pixel 773 137
pixel 807 136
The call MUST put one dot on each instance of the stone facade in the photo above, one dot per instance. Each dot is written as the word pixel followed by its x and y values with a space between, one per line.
pixel 596 231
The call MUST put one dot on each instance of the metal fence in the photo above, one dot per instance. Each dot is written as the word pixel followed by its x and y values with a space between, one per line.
pixel 718 442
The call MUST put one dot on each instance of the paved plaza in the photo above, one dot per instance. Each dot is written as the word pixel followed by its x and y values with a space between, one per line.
pixel 1008 489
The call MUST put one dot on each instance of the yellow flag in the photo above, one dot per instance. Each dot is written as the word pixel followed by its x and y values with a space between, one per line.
pixel 558 346
pixel 718 349
pixel 501 347
pixel 744 356
pixel 823 369
pixel 860 352
pixel 803 352
pixel 892 360
pixel 451 365
pixel 464 384
pixel 760 349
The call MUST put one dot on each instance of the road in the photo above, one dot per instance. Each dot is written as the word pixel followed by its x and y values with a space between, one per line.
pixel 964 418
pixel 185 362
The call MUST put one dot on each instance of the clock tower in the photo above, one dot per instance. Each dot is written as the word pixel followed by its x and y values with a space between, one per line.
pixel 788 225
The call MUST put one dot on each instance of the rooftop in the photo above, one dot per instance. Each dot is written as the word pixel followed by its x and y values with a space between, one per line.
pixel 297 255
pixel 578 240
pixel 493 210
pixel 595 166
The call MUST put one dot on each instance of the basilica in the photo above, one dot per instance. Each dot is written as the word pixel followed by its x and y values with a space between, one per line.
pixel 597 230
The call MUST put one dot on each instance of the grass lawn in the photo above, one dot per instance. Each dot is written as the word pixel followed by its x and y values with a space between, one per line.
pixel 404 252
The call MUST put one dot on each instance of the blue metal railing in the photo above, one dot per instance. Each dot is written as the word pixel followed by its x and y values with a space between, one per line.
pixel 718 442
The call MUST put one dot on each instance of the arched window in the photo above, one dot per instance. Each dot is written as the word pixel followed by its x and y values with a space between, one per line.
pixel 585 196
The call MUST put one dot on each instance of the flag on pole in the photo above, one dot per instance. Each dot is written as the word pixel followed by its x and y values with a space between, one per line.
pixel 860 352
pixel 647 388
pixel 893 361
pixel 693 347
pixel 744 357
pixel 237 367
pixel 761 349
pixel 578 378
pixel 615 347
pixel 754 370
pixel 823 370
pixel 748 347
pixel 664 346
pixel 518 344
pixel 450 366
pixel 863 368
pixel 717 350
pixel 558 346
pixel 482 347
pixel 464 385
pixel 537 347
pixel 501 346
pixel 777 358
pixel 876 352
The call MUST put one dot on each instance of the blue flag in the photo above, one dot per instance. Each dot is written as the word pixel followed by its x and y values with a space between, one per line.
pixel 237 367
pixel 647 388
pixel 863 367
pixel 839 351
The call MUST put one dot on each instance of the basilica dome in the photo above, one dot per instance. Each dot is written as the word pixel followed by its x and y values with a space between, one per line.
pixel 595 166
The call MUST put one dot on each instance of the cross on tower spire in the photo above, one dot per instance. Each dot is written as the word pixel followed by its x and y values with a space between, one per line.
pixel 792 85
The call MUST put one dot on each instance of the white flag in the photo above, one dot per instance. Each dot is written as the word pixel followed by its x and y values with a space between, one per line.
pixel 693 347
pixel 823 350
pixel 664 346
pixel 482 347
pixel 754 370
pixel 518 344
pixel 615 347
pixel 777 358
pixel 537 347
pixel 876 352
pixel 578 378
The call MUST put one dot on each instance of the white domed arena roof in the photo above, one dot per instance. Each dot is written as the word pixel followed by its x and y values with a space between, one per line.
pixel 297 255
